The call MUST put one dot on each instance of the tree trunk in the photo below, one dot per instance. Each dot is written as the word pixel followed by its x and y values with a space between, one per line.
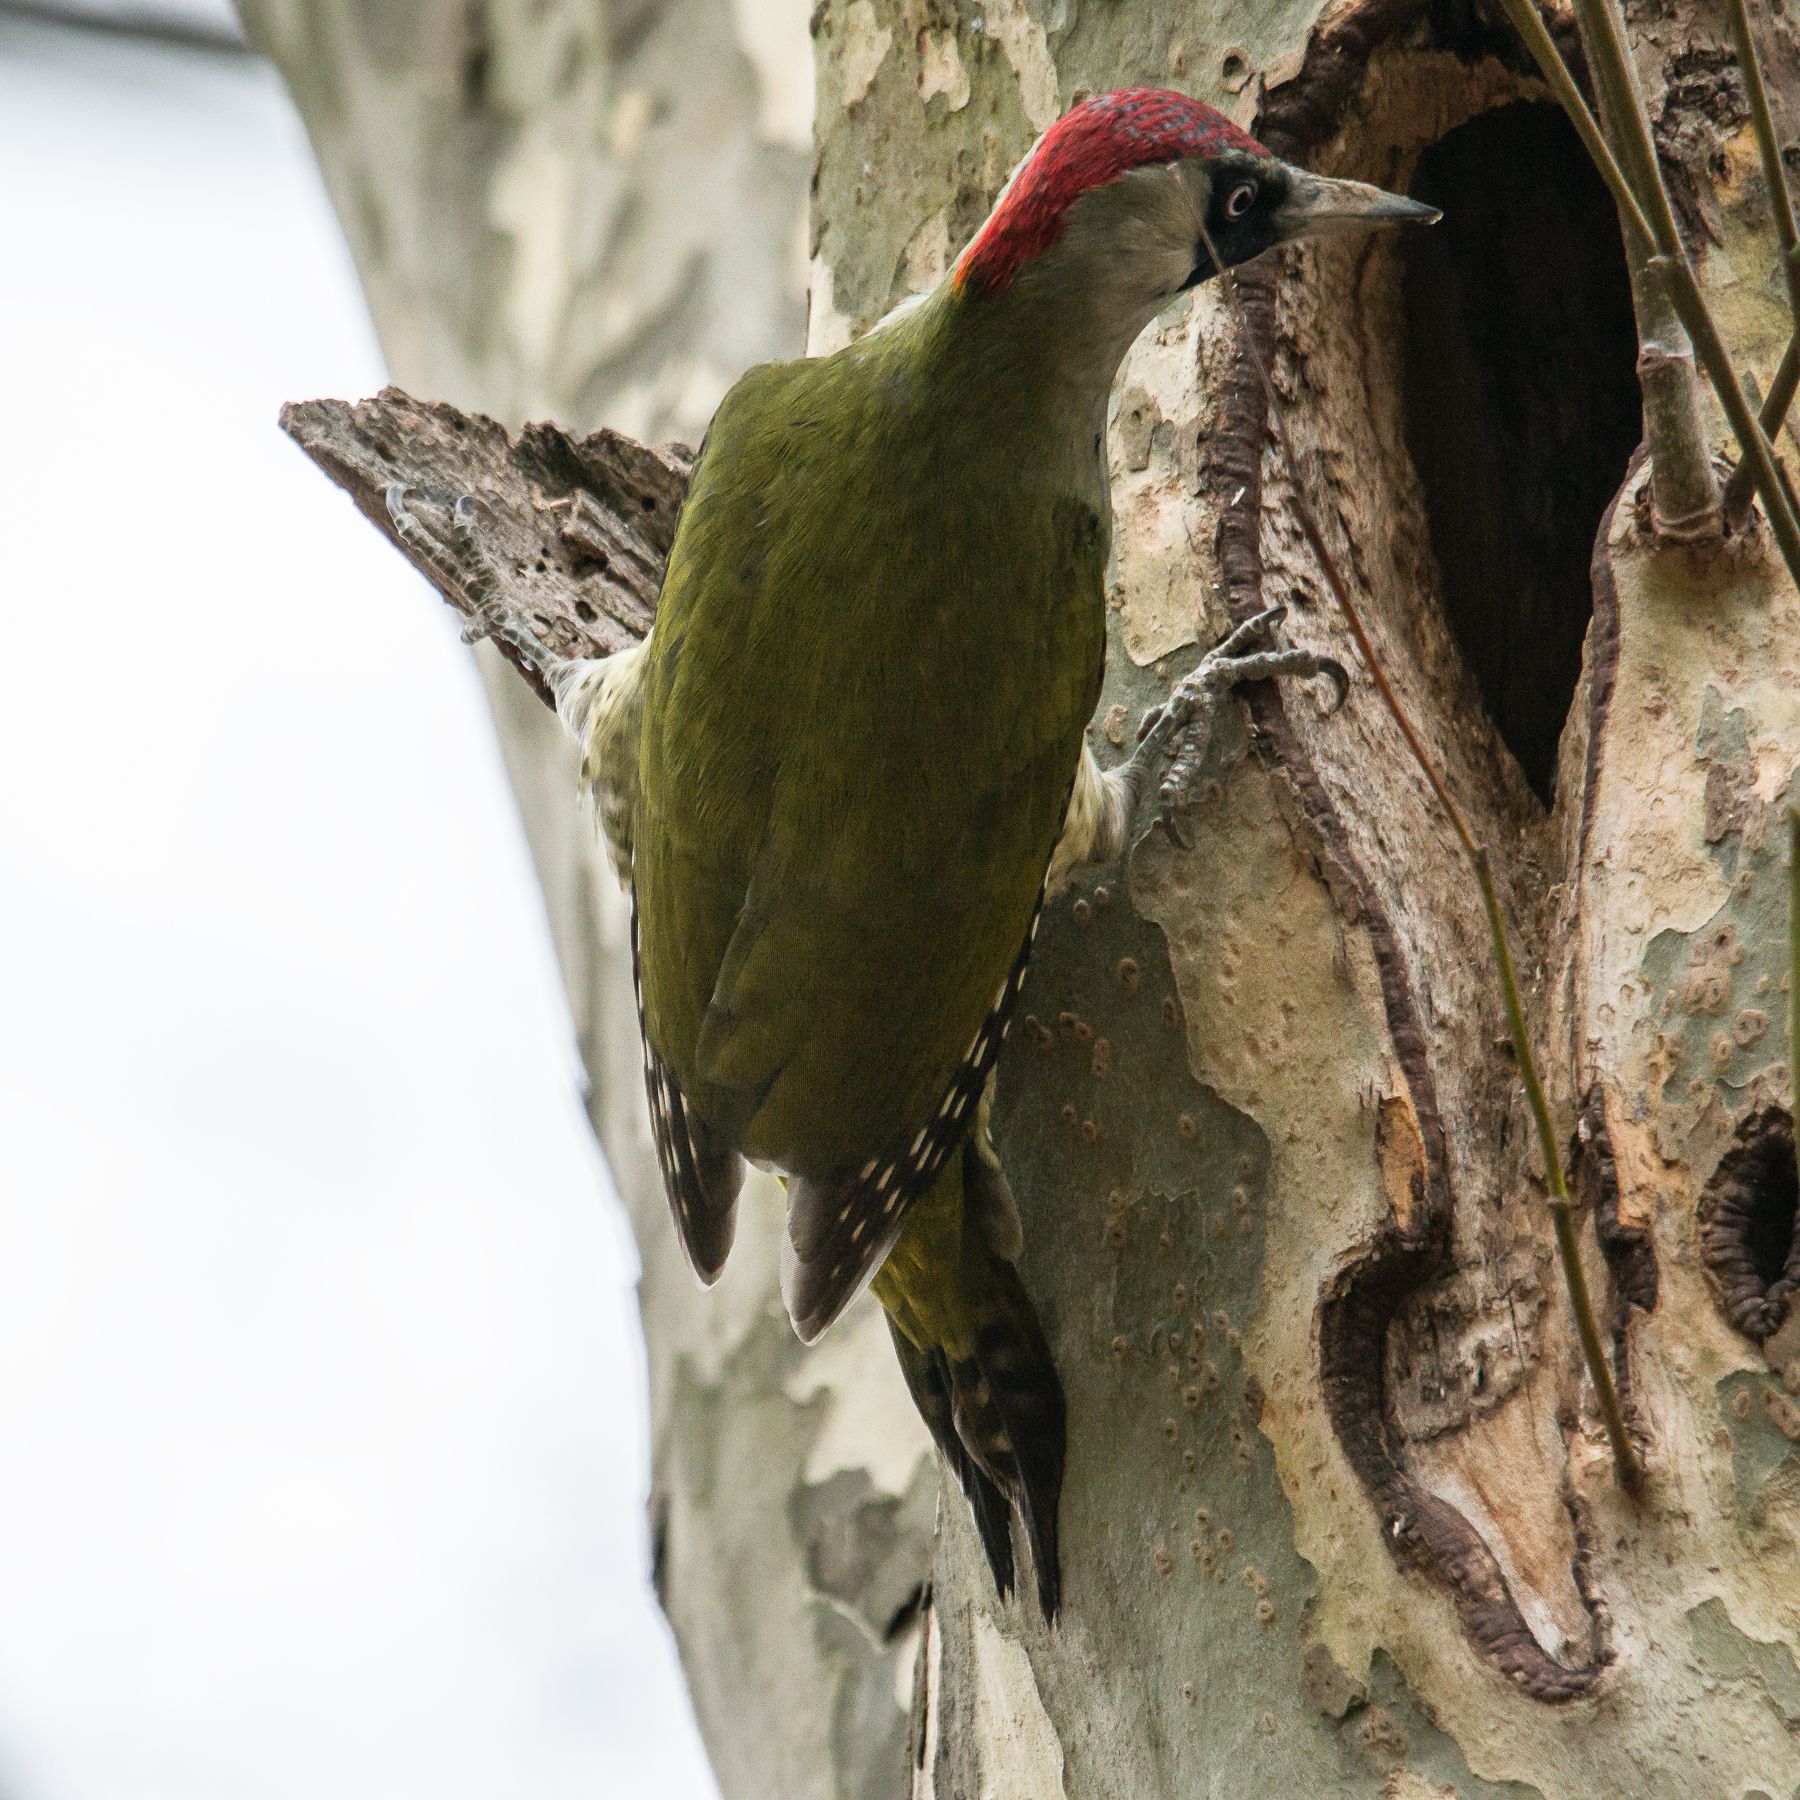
pixel 596 212
pixel 1339 1516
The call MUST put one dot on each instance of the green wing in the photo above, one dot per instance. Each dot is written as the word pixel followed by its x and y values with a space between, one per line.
pixel 862 709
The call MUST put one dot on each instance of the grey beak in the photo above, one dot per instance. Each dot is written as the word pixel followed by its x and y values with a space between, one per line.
pixel 1321 203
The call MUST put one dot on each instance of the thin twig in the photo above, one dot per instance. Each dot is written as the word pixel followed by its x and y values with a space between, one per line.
pixel 1562 1208
pixel 1770 414
pixel 1687 504
pixel 1781 198
pixel 1531 27
pixel 1757 451
pixel 1769 145
pixel 1754 394
pixel 1652 212
pixel 1605 35
pixel 1603 32
pixel 1685 491
pixel 1568 1250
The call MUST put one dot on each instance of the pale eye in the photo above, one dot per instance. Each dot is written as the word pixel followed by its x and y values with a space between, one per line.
pixel 1240 200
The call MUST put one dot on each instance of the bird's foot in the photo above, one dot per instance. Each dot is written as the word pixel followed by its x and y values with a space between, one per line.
pixel 1182 726
pixel 472 579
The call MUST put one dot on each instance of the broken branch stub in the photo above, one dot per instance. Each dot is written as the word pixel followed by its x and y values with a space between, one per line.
pixel 575 530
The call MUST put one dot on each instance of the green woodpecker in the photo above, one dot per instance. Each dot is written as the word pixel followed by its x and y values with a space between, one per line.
pixel 843 773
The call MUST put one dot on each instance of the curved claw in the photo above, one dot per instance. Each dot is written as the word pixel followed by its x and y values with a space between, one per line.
pixel 1257 626
pixel 466 510
pixel 1339 677
pixel 1180 726
pixel 1171 828
pixel 1163 725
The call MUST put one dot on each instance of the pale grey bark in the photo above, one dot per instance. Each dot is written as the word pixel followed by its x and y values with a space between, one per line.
pixel 1339 1518
pixel 596 212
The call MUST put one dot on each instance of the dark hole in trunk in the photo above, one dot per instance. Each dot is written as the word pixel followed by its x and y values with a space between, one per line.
pixel 1522 405
pixel 1747 1218
pixel 1770 1229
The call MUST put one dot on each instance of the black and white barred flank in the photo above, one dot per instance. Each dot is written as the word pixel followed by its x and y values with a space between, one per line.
pixel 842 1228
pixel 701 1173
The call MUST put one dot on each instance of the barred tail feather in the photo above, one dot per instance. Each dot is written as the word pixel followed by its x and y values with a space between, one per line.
pixel 980 1370
pixel 841 1227
pixel 928 1379
pixel 1010 1416
pixel 701 1172
pixel 839 1233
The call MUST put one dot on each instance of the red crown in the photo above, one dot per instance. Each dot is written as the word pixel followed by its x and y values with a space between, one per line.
pixel 1088 147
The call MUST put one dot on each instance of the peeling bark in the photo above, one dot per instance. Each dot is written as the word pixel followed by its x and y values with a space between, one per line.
pixel 1338 1514
pixel 582 526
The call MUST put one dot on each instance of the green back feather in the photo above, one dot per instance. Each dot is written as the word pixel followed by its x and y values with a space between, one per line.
pixel 879 640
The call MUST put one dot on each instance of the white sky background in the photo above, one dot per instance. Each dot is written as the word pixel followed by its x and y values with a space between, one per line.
pixel 322 1449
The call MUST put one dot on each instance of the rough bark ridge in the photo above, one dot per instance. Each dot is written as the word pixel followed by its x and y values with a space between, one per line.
pixel 574 531
pixel 1337 1516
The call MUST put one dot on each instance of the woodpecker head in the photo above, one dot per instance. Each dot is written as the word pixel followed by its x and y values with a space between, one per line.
pixel 1123 195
